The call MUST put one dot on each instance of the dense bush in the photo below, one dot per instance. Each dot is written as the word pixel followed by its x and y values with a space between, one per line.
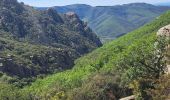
pixel 10 92
pixel 100 87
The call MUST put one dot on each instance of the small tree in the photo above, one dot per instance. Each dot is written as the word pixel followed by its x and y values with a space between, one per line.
pixel 144 64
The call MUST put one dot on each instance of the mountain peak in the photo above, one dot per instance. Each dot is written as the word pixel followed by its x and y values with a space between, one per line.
pixel 71 14
pixel 53 13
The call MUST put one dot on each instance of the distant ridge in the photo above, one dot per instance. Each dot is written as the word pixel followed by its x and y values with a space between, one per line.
pixel 163 4
pixel 110 22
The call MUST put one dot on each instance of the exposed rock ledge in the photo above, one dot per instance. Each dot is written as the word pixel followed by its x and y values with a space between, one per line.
pixel 132 97
pixel 165 31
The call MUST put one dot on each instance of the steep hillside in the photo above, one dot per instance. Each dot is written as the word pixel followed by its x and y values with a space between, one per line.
pixel 40 42
pixel 97 76
pixel 110 22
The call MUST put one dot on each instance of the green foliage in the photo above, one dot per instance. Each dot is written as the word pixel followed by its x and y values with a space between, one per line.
pixel 99 87
pixel 144 65
pixel 105 60
pixel 34 42
pixel 100 74
pixel 10 92
pixel 148 61
pixel 25 60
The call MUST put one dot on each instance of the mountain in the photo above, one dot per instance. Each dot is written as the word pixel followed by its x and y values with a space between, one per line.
pixel 110 22
pixel 36 42
pixel 97 75
pixel 131 64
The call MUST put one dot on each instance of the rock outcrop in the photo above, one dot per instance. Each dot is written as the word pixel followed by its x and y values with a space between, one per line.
pixel 165 31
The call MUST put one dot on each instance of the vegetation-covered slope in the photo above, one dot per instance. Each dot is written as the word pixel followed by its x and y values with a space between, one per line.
pixel 110 22
pixel 97 76
pixel 36 42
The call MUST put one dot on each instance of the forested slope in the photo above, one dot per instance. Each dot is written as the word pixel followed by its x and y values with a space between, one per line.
pixel 107 69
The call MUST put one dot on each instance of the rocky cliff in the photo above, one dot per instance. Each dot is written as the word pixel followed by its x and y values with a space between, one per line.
pixel 36 42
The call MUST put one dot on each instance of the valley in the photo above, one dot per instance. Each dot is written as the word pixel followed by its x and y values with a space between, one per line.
pixel 51 54
pixel 111 22
pixel 100 66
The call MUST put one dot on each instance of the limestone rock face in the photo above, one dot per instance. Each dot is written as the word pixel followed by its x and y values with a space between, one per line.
pixel 164 31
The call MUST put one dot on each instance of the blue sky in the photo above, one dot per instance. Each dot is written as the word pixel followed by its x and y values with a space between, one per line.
pixel 48 3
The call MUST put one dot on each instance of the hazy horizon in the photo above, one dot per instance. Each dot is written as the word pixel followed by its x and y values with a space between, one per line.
pixel 50 3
